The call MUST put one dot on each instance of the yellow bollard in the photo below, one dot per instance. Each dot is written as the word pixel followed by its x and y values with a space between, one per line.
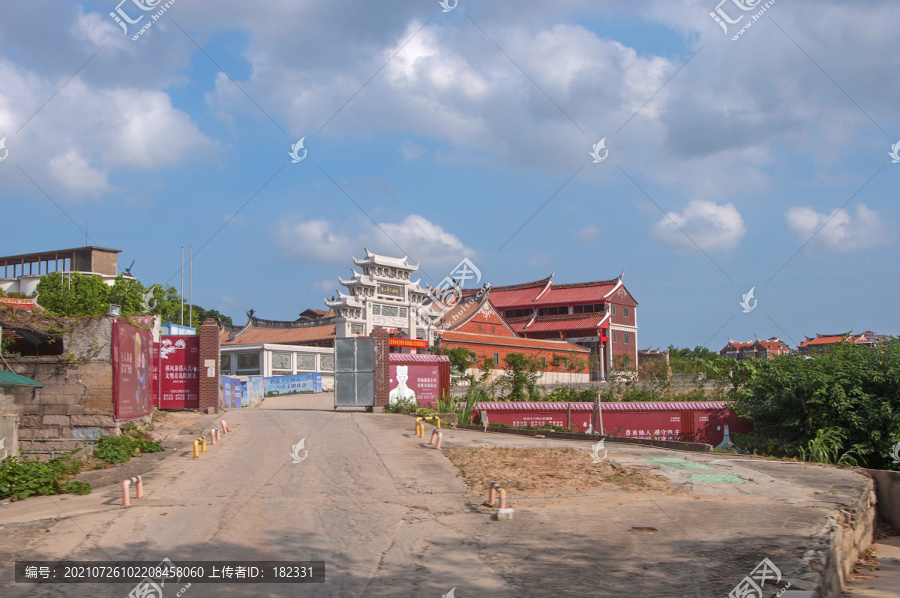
pixel 196 449
pixel 202 440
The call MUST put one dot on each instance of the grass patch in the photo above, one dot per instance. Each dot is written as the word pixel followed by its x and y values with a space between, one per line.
pixel 21 477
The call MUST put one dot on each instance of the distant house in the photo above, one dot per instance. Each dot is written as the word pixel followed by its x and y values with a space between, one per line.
pixel 824 341
pixel 755 349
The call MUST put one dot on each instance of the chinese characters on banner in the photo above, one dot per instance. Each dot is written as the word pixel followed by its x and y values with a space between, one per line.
pixel 421 378
pixel 179 368
pixel 294 384
pixel 132 376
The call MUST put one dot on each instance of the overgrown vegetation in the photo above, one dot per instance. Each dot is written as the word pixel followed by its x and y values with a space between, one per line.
pixel 78 294
pixel 842 406
pixel 130 443
pixel 21 477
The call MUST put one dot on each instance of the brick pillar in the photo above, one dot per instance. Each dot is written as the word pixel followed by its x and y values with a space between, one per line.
pixel 209 350
pixel 382 366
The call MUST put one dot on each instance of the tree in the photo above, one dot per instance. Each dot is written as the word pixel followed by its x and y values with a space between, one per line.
pixel 521 376
pixel 74 294
pixel 461 359
pixel 845 400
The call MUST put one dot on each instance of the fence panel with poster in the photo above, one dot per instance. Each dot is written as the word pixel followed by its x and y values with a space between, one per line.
pixel 231 392
pixel 276 386
pixel 132 357
pixel 179 358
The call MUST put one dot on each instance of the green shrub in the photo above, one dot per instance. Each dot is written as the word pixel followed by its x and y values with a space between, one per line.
pixel 21 477
pixel 128 444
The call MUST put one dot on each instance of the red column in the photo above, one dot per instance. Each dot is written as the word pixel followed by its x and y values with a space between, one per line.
pixel 209 350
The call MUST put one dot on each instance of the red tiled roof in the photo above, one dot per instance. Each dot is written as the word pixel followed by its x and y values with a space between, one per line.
pixel 623 406
pixel 395 358
pixel 562 324
pixel 280 336
pixel 486 339
pixel 530 294
pixel 822 339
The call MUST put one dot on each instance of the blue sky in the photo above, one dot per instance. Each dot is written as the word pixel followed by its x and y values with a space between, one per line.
pixel 758 162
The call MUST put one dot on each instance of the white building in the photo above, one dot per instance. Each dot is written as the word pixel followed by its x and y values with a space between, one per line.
pixel 381 295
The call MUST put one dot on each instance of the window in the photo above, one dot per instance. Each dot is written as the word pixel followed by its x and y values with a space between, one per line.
pixel 248 364
pixel 496 359
pixel 553 311
pixel 376 310
pixel 516 313
pixel 578 309
pixel 544 361
pixel 624 312
pixel 479 327
pixel 493 329
pixel 327 363
pixel 225 364
pixel 612 309
pixel 565 363
pixel 306 362
pixel 614 336
pixel 626 337
pixel 281 364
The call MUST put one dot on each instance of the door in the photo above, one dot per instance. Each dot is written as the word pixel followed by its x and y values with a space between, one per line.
pixel 354 372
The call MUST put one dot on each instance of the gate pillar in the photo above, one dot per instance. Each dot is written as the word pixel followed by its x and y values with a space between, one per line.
pixel 209 351
pixel 382 366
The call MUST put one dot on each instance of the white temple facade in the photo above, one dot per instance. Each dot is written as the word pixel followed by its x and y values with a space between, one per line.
pixel 381 295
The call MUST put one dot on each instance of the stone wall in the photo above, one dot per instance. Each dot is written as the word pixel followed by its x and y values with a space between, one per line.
pixel 76 401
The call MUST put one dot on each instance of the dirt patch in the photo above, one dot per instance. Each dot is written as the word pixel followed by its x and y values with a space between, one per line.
pixel 168 424
pixel 546 470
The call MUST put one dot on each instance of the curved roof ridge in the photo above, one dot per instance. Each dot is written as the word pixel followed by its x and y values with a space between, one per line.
pixel 524 285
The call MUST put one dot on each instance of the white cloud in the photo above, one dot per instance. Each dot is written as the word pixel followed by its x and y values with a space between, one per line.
pixel 539 260
pixel 840 232
pixel 322 241
pixel 704 223
pixel 411 151
pixel 589 234
pixel 73 171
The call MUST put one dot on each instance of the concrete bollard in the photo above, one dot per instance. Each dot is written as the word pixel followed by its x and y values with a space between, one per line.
pixel 214 434
pixel 139 487
pixel 503 513
pixel 440 436
pixel 196 449
pixel 224 427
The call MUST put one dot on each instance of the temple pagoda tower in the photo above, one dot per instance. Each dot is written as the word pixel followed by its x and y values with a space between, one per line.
pixel 381 295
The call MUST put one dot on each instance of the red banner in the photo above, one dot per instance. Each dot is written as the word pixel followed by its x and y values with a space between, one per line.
pixel 407 342
pixel 132 363
pixel 179 359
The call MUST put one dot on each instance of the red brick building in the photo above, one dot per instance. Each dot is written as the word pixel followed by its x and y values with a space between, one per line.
pixel 824 341
pixel 600 316
pixel 755 349
pixel 476 325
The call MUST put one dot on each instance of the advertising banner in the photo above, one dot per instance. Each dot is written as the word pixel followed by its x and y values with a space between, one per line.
pixel 179 358
pixel 132 376
pixel 291 385
pixel 253 391
pixel 232 392
pixel 154 385
pixel 419 381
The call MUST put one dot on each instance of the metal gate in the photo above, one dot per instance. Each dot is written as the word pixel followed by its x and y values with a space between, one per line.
pixel 354 372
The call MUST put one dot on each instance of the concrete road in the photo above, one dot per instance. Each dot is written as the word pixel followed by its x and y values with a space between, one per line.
pixel 390 517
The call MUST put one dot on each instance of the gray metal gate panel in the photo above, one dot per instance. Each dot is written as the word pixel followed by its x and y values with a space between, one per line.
pixel 354 372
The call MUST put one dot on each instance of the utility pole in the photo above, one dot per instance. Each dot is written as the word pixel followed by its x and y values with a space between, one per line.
pixel 182 285
pixel 191 287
